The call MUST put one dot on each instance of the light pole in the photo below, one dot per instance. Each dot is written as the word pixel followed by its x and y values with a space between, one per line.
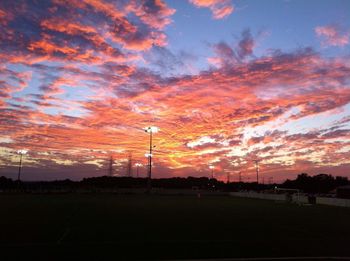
pixel 150 130
pixel 137 165
pixel 21 153
pixel 212 171
pixel 228 177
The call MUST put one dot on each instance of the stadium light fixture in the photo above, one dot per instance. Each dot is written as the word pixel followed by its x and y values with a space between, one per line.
pixel 151 129
pixel 22 152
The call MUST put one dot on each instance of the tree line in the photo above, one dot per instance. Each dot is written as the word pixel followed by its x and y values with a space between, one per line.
pixel 322 183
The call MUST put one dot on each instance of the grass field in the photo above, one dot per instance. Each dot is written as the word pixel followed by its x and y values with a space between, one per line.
pixel 117 227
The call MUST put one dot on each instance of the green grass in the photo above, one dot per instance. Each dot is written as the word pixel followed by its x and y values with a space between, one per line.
pixel 117 227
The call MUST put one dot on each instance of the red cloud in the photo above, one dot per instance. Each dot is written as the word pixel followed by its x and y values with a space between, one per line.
pixel 332 35
pixel 219 8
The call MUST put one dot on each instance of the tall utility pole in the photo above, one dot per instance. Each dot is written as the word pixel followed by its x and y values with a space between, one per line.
pixel 150 130
pixel 239 177
pixel 129 166
pixel 257 170
pixel 110 169
pixel 228 177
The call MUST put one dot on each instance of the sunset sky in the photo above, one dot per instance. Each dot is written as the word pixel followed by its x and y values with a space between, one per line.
pixel 227 82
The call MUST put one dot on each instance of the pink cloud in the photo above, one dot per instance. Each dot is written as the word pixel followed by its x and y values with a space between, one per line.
pixel 332 35
pixel 153 13
pixel 219 8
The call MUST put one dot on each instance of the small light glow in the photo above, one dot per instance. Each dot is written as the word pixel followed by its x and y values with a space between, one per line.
pixel 22 152
pixel 138 164
pixel 147 155
pixel 211 167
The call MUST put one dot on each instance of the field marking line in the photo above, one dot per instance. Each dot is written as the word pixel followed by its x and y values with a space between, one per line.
pixel 270 258
pixel 65 233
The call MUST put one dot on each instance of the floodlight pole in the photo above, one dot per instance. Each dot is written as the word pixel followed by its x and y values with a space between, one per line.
pixel 20 167
pixel 149 181
pixel 150 129
pixel 212 171
pixel 257 170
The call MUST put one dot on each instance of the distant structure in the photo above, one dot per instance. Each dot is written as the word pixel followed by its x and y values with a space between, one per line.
pixel 110 169
pixel 129 166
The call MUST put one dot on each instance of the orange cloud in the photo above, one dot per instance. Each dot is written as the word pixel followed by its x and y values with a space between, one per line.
pixel 190 108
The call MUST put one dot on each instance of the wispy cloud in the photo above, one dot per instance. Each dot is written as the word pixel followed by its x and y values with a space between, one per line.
pixel 332 35
pixel 219 8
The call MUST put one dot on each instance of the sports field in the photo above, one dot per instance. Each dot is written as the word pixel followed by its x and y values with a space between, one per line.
pixel 119 227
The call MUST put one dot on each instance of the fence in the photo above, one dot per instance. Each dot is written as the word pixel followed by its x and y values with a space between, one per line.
pixel 281 197
pixel 340 202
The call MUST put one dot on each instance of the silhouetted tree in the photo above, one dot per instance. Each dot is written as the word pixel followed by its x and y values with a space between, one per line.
pixel 321 183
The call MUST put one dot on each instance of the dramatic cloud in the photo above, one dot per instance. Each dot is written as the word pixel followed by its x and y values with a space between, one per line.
pixel 81 79
pixel 332 35
pixel 219 8
pixel 85 31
